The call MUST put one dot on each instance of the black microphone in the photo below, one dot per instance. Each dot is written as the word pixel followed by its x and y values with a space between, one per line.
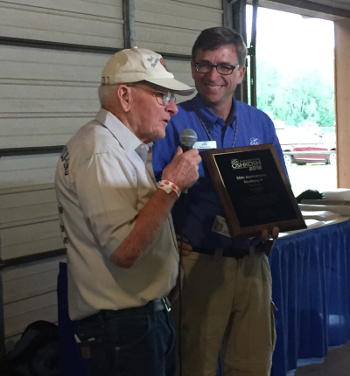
pixel 188 138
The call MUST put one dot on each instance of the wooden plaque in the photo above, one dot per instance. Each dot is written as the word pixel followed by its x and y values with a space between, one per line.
pixel 253 189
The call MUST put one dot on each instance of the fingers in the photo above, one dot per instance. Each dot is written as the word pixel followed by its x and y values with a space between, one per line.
pixel 183 169
pixel 178 151
pixel 275 232
pixel 265 235
pixel 192 153
pixel 183 245
pixel 267 240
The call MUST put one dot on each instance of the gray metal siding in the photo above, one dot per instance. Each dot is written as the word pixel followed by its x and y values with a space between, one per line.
pixel 51 57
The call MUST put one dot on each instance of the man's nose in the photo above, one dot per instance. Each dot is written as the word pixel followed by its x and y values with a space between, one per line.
pixel 171 107
pixel 213 74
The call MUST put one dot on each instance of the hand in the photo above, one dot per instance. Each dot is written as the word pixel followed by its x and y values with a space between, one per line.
pixel 183 169
pixel 268 240
pixel 265 236
pixel 183 245
pixel 175 291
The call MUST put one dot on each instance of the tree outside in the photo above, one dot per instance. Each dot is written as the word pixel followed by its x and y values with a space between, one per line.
pixel 295 86
pixel 295 68
pixel 295 99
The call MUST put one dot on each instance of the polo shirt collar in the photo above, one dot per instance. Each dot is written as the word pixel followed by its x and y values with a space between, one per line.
pixel 125 137
pixel 208 116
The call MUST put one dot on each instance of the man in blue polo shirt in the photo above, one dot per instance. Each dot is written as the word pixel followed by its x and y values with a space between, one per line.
pixel 226 307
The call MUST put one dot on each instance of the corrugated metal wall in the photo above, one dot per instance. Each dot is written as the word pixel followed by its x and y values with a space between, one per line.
pixel 51 57
pixel 172 26
pixel 47 91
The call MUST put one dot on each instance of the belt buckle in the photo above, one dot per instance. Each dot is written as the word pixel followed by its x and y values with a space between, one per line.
pixel 166 304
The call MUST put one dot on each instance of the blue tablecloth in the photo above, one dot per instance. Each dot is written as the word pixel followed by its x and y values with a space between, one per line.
pixel 311 289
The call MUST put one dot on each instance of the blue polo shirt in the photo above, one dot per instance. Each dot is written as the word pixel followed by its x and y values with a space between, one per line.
pixel 248 126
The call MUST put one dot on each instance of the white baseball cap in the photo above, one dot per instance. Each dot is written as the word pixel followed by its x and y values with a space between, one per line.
pixel 138 64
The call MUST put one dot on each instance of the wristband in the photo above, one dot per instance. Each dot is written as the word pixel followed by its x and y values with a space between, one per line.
pixel 168 187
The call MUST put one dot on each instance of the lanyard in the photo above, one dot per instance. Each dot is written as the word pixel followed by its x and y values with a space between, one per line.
pixel 206 129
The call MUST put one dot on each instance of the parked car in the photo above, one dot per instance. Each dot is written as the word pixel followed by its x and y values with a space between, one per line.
pixel 294 140
pixel 329 157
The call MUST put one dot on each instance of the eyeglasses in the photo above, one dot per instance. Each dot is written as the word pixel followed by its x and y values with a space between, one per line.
pixel 224 69
pixel 163 98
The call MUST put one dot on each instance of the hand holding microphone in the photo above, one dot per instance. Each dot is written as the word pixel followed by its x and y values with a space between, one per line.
pixel 183 169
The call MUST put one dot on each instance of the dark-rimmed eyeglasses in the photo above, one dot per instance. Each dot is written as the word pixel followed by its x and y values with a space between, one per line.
pixel 162 97
pixel 224 69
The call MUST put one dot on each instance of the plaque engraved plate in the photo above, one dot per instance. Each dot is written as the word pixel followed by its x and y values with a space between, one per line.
pixel 253 189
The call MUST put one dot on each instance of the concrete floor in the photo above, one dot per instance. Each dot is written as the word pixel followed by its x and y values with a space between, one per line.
pixel 336 363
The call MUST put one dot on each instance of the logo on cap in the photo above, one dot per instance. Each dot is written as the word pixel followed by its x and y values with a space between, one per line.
pixel 153 63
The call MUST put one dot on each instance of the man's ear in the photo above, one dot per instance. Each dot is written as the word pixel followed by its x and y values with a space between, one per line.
pixel 193 69
pixel 241 74
pixel 124 96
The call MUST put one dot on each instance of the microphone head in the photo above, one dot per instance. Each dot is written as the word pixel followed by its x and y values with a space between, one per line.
pixel 188 137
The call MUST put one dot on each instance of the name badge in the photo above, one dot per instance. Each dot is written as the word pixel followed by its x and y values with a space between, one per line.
pixel 205 145
pixel 220 226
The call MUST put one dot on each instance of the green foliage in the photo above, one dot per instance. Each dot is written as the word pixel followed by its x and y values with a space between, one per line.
pixel 295 97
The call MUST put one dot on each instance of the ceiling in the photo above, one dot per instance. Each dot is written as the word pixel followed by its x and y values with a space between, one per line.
pixel 342 4
pixel 329 9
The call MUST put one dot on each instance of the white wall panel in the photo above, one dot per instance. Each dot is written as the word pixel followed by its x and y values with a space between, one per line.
pixel 181 70
pixel 19 314
pixel 19 206
pixel 30 239
pixel 46 95
pixel 29 294
pixel 214 4
pixel 27 170
pixel 16 132
pixel 49 66
pixel 22 214
pixel 172 26
pixel 29 225
pixel 177 15
pixel 31 280
pixel 29 221
pixel 79 22
pixel 163 39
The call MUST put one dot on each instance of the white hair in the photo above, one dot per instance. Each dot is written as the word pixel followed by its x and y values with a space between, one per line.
pixel 104 93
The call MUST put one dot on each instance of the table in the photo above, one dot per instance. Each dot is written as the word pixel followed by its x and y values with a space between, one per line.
pixel 311 289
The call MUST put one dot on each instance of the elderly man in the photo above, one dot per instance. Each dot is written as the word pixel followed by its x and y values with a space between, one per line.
pixel 116 223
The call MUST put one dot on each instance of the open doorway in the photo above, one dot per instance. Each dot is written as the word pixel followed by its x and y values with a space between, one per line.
pixel 295 87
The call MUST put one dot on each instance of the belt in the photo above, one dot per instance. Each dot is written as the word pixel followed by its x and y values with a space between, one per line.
pixel 237 253
pixel 151 307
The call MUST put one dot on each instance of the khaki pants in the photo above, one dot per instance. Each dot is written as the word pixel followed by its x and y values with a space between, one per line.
pixel 226 310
